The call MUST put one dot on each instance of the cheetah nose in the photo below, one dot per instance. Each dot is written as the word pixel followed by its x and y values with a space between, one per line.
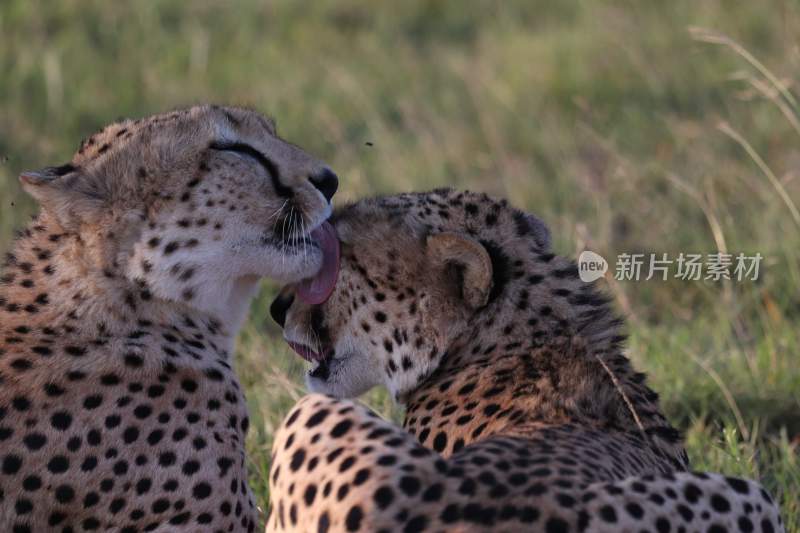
pixel 280 306
pixel 326 182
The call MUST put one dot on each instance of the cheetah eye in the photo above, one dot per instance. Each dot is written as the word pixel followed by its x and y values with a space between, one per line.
pixel 264 161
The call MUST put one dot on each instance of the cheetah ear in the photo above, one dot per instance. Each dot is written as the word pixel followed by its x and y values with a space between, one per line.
pixel 465 265
pixel 65 193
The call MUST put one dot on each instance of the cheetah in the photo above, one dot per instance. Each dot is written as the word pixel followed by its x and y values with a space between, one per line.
pixel 522 412
pixel 119 306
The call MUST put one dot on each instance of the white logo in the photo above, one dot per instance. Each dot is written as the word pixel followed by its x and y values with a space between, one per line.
pixel 591 266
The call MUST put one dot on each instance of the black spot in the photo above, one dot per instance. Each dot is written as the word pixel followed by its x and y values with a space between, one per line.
pixel 180 518
pixel 383 497
pixel 42 350
pixel 58 464
pixel 109 380
pixel 720 504
pixel 309 494
pixel 324 523
pixel 23 506
pixel 341 428
pixel 34 441
pixel 93 401
pixel 556 525
pixel 133 360
pixel 89 464
pixel 353 519
pixel 189 385
pixel 317 417
pixel 692 493
pixel 450 514
pixel 61 420
pixel 409 485
pixel 90 500
pixel 635 510
pixel 433 493
pixel 298 458
pixel 190 467
pixel 11 464
pixel 75 351
pixel 130 434
pixel 739 485
pixel 416 524
pixel 608 514
pixel 142 411
pixel 64 494
pixel 20 403
pixel 201 491
pixel 31 483
pixel 56 518
pixel 745 524
pixel 440 442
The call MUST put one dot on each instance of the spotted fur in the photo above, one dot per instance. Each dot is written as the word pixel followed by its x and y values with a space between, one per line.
pixel 119 305
pixel 522 411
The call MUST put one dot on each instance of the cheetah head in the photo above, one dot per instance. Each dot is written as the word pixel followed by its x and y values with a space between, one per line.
pixel 193 206
pixel 414 272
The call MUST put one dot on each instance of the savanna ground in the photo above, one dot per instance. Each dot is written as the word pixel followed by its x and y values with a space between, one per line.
pixel 629 127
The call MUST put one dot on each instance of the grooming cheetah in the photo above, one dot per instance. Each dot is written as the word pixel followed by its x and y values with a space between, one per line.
pixel 119 305
pixel 523 414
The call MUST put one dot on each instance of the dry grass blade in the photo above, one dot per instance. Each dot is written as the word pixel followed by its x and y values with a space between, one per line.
pixel 772 95
pixel 725 128
pixel 709 36
pixel 726 393
pixel 625 398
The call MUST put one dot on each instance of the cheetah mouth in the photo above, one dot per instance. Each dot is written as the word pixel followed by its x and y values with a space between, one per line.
pixel 321 361
pixel 308 353
pixel 286 243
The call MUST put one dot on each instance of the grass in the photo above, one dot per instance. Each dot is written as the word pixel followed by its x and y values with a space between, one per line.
pixel 645 127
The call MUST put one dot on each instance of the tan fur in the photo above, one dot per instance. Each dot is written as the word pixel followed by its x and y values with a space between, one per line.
pixel 119 306
pixel 522 414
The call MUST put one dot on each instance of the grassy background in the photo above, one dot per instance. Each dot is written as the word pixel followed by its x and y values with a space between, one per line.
pixel 618 123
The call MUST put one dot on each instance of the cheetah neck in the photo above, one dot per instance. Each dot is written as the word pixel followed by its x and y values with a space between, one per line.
pixel 67 284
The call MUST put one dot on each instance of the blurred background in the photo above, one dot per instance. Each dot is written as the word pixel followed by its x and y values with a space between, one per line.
pixel 636 127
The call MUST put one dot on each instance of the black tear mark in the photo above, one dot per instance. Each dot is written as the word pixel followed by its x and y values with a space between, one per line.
pixel 272 170
pixel 62 169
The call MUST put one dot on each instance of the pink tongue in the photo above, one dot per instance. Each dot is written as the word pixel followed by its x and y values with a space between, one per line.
pixel 316 290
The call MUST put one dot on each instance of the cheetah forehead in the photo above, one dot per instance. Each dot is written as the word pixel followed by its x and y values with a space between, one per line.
pixel 178 131
pixel 419 214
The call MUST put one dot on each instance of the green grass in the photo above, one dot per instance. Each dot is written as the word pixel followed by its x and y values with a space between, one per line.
pixel 612 121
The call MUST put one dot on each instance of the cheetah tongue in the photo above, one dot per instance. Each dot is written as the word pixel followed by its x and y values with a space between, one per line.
pixel 317 290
